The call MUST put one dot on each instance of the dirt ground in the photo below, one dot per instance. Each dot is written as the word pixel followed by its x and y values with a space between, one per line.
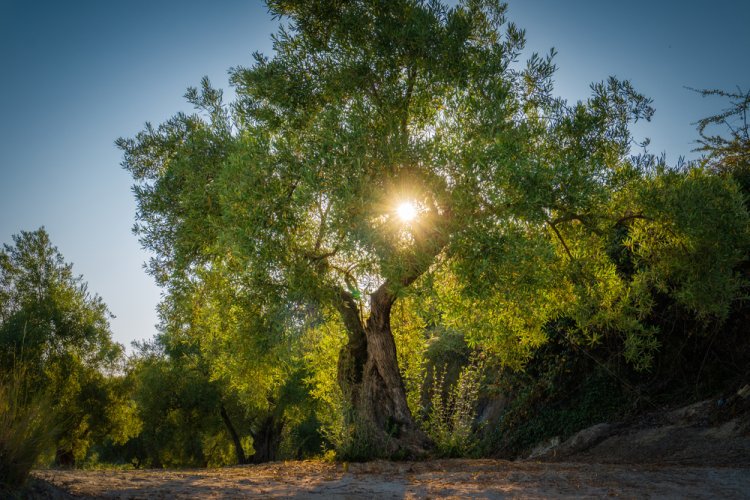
pixel 696 451
pixel 386 480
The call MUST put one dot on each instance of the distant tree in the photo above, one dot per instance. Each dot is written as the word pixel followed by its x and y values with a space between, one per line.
pixel 190 417
pixel 732 147
pixel 725 137
pixel 388 147
pixel 246 346
pixel 57 334
pixel 179 409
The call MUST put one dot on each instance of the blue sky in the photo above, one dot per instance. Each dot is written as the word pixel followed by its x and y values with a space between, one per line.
pixel 76 75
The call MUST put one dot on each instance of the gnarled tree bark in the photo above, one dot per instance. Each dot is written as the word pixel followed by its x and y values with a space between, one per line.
pixel 368 371
pixel 369 376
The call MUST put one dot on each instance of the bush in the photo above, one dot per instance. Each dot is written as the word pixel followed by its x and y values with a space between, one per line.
pixel 452 410
pixel 357 443
pixel 26 430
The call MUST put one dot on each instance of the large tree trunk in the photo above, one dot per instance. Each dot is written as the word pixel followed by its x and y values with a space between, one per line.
pixel 266 440
pixel 369 376
pixel 64 457
pixel 368 372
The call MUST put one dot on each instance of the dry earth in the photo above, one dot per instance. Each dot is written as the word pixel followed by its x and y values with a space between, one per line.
pixel 386 480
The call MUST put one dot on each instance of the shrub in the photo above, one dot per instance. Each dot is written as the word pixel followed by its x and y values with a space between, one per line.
pixel 26 430
pixel 451 413
pixel 358 442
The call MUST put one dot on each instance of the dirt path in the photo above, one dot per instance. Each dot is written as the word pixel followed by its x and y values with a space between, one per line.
pixel 386 480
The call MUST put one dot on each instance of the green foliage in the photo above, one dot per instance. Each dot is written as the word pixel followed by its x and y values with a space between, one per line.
pixel 321 346
pixel 263 213
pixel 538 415
pixel 179 412
pixel 57 334
pixel 190 416
pixel 701 236
pixel 728 149
pixel 410 335
pixel 349 436
pixel 452 410
pixel 561 391
pixel 357 441
pixel 27 429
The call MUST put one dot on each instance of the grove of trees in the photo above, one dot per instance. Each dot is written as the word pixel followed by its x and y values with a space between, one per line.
pixel 59 379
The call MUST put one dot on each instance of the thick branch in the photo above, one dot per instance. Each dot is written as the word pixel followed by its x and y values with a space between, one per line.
pixel 569 218
pixel 241 459
pixel 585 220
pixel 321 230
pixel 631 217
pixel 348 308
pixel 353 355
pixel 317 257
pixel 428 247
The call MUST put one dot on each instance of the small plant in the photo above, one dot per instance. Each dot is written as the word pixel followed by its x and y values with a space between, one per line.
pixel 359 442
pixel 451 412
pixel 26 431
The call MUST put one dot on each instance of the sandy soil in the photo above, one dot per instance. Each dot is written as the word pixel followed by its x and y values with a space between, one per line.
pixel 386 480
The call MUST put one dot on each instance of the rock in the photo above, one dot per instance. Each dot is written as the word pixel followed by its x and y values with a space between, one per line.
pixel 580 441
pixel 585 439
pixel 700 434
pixel 545 448
pixel 690 414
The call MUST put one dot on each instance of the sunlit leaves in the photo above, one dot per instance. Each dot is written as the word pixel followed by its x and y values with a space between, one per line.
pixel 322 344
pixel 410 334
pixel 692 239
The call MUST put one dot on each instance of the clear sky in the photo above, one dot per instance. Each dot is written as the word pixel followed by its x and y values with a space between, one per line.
pixel 76 75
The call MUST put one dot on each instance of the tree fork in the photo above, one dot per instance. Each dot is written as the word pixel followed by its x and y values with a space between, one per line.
pixel 370 379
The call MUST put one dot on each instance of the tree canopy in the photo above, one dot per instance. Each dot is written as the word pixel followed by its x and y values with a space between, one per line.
pixel 280 211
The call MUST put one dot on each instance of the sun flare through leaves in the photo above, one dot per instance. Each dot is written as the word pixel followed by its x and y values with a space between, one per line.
pixel 406 211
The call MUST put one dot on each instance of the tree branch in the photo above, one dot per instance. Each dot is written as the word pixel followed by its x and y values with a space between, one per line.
pixel 559 237
pixel 410 80
pixel 348 308
pixel 321 230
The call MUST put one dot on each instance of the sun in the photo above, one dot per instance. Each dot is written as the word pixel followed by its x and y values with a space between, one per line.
pixel 406 211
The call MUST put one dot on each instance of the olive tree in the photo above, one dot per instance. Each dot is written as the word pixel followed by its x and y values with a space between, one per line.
pixel 381 142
